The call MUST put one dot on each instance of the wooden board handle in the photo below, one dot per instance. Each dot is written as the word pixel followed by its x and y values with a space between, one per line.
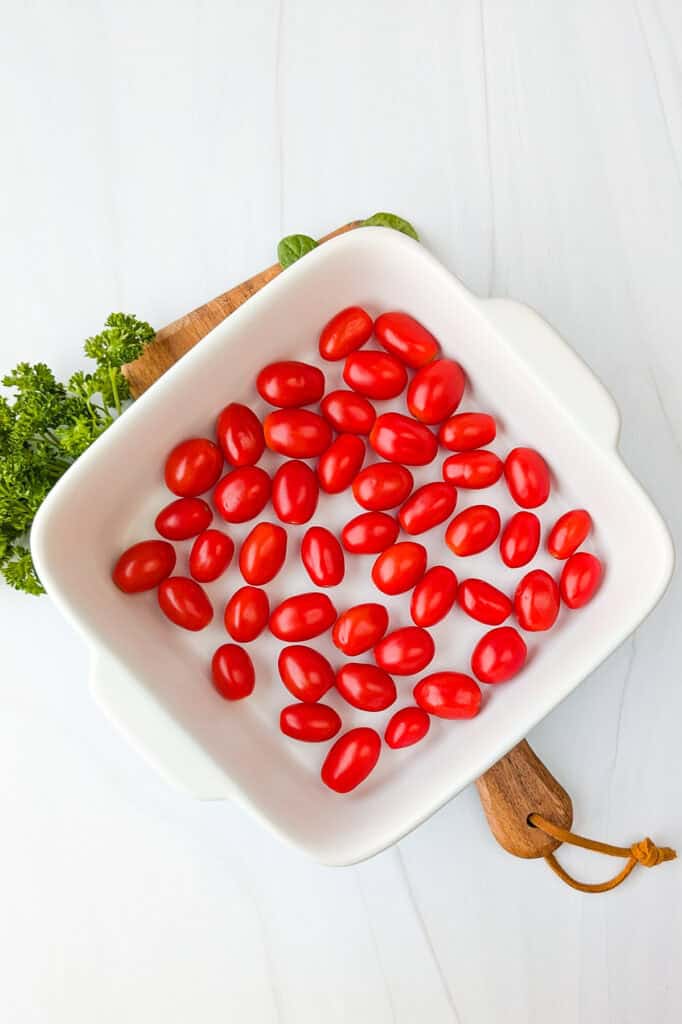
pixel 516 786
pixel 172 341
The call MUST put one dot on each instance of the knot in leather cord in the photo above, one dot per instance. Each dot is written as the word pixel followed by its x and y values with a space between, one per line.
pixel 649 855
pixel 645 852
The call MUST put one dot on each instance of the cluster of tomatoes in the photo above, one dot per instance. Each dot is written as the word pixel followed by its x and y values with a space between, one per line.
pixel 337 437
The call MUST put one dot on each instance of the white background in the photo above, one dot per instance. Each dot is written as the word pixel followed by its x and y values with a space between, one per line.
pixel 152 155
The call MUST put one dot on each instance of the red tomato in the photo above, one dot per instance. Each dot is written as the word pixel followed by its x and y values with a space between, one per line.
pixel 580 579
pixel 240 435
pixel 369 533
pixel 262 553
pixel 436 390
pixel 520 539
pixel 345 332
pixel 427 506
pixel 434 596
pixel 297 433
pixel 341 463
pixel 474 529
pixel 242 494
pixel 295 491
pixel 232 672
pixel 569 532
pixel 183 518
pixel 246 614
pixel 305 672
pixel 359 628
pixel 348 412
pixel 467 431
pixel 499 655
pixel 407 726
pixel 399 438
pixel 193 467
pixel 527 477
pixel 405 337
pixel 374 374
pixel 405 651
pixel 210 555
pixel 536 601
pixel 289 383
pixel 351 759
pixel 472 469
pixel 302 617
pixel 483 602
pixel 144 565
pixel 399 567
pixel 366 686
pixel 382 485
pixel 185 603
pixel 448 695
pixel 322 556
pixel 311 723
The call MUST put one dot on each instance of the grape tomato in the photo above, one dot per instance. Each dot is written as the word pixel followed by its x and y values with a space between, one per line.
pixel 467 431
pixel 247 613
pixel 366 686
pixel 290 383
pixel 193 467
pixel 295 492
pixel 345 332
pixel 448 695
pixel 406 727
pixel 433 596
pixel 183 518
pixel 185 603
pixel 359 628
pixel 405 651
pixel 404 337
pixel 382 485
pixel 232 672
pixel 311 723
pixel 144 565
pixel 402 439
pixel 436 390
pixel 263 553
pixel 305 672
pixel 569 532
pixel 375 374
pixel 347 412
pixel 341 463
pixel 210 556
pixel 428 506
pixel 351 759
pixel 369 533
pixel 240 435
pixel 322 557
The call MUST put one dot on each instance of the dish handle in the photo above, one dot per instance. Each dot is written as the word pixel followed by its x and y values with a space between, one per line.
pixel 153 731
pixel 563 372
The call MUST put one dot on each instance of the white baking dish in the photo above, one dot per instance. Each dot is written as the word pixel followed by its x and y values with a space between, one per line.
pixel 153 678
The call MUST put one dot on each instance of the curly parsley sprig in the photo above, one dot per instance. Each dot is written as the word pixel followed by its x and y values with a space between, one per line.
pixel 45 425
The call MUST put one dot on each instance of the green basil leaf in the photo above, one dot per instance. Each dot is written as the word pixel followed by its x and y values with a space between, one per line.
pixel 292 247
pixel 391 220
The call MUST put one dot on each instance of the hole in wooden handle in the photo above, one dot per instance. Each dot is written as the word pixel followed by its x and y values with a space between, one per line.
pixel 517 786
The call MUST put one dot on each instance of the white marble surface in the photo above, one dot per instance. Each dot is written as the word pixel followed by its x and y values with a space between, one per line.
pixel 153 153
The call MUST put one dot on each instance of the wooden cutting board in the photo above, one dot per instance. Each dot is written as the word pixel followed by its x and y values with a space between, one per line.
pixel 518 784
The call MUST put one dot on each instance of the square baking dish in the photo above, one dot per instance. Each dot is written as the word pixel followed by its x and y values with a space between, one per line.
pixel 153 679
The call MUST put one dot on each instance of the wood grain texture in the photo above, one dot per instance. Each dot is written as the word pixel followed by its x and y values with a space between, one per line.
pixel 178 337
pixel 516 786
